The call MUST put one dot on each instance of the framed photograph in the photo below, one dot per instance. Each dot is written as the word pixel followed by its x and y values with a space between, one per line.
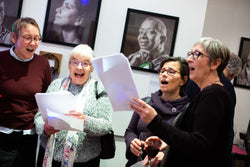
pixel 243 79
pixel 148 38
pixel 71 22
pixel 55 62
pixel 9 13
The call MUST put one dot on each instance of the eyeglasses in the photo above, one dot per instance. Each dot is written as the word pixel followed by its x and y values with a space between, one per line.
pixel 195 54
pixel 76 64
pixel 29 39
pixel 170 72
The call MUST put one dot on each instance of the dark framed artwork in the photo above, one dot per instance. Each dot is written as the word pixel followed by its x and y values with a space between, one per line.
pixel 243 79
pixel 148 38
pixel 10 11
pixel 55 62
pixel 71 22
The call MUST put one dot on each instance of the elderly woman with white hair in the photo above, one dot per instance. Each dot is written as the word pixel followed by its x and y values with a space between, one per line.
pixel 72 148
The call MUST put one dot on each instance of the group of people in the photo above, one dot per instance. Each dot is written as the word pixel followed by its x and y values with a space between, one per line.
pixel 203 134
pixel 193 132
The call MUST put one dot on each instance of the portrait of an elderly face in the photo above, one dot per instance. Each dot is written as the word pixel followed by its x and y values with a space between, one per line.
pixel 152 35
pixel 148 39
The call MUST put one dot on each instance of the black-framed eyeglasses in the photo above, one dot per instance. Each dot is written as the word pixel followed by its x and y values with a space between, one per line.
pixel 170 71
pixel 28 39
pixel 195 54
pixel 76 64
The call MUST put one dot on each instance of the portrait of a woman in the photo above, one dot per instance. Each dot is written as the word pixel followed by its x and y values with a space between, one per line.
pixel 70 21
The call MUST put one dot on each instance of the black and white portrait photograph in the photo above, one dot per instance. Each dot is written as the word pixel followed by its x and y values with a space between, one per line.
pixel 71 22
pixel 148 38
pixel 9 12
pixel 243 79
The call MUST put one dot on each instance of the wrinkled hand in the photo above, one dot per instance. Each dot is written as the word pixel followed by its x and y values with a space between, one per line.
pixel 144 110
pixel 154 162
pixel 135 146
pixel 75 114
pixel 49 130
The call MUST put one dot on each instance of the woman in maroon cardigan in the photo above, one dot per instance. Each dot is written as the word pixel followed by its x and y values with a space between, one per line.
pixel 22 75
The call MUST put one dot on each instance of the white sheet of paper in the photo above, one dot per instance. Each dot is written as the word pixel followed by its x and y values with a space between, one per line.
pixel 54 105
pixel 62 122
pixel 116 75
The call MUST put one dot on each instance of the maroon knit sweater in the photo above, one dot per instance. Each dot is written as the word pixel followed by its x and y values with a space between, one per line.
pixel 19 82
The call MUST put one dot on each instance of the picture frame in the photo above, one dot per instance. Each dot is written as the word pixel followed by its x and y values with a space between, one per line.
pixel 10 12
pixel 140 53
pixel 80 28
pixel 243 79
pixel 55 62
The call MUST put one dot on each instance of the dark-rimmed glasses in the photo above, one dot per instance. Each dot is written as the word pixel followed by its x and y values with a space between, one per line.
pixel 28 39
pixel 170 71
pixel 195 54
pixel 76 64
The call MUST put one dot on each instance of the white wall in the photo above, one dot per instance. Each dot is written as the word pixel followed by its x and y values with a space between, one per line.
pixel 228 20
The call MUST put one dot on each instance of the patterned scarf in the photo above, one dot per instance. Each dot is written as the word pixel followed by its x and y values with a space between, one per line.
pixel 72 136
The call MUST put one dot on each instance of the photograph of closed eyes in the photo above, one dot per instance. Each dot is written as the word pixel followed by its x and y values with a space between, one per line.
pixel 71 22
pixel 10 11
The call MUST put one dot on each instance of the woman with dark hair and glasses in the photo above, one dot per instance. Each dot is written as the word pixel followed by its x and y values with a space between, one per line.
pixel 168 102
pixel 200 137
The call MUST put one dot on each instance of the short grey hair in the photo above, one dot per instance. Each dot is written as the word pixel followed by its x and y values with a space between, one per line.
pixel 216 50
pixel 234 64
pixel 83 49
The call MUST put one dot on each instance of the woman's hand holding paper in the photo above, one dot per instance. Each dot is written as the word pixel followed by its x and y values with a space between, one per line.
pixel 49 130
pixel 77 115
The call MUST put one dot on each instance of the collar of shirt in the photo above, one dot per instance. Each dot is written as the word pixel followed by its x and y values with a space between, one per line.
pixel 12 53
